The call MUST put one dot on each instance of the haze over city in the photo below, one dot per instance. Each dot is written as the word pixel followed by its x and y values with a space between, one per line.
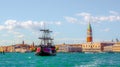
pixel 68 19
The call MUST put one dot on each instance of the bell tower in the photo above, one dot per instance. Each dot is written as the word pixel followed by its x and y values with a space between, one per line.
pixel 89 33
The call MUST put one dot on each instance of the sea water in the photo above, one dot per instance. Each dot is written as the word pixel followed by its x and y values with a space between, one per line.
pixel 60 60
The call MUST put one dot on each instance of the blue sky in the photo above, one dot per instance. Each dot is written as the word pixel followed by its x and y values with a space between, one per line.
pixel 21 20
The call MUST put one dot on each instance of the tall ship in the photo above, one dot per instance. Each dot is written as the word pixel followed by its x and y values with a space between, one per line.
pixel 46 47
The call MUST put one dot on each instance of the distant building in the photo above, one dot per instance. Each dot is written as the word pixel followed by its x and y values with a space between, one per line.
pixel 107 46
pixel 22 48
pixel 61 48
pixel 75 48
pixel 32 47
pixel 18 48
pixel 86 47
pixel 69 48
pixel 10 48
pixel 116 47
pixel 1 49
pixel 91 47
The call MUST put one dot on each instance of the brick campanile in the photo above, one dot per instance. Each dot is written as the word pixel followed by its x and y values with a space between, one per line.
pixel 89 33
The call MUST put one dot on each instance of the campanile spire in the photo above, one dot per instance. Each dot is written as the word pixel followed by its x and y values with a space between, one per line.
pixel 89 33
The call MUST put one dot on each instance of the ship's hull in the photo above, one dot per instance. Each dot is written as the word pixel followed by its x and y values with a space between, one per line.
pixel 45 54
pixel 45 51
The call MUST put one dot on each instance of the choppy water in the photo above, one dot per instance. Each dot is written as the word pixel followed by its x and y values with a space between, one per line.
pixel 60 60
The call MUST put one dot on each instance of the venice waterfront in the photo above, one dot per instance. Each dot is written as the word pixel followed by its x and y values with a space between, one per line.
pixel 60 60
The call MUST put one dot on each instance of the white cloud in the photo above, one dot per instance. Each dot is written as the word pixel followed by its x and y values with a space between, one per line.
pixel 42 23
pixel 114 12
pixel 26 24
pixel 86 17
pixel 21 29
pixel 20 36
pixel 10 22
pixel 70 19
pixel 31 25
pixel 15 27
pixel 83 14
pixel 14 32
pixel 2 27
pixel 10 27
pixel 13 24
pixel 108 18
pixel 58 23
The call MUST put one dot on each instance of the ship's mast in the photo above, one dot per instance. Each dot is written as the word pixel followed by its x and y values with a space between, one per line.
pixel 46 39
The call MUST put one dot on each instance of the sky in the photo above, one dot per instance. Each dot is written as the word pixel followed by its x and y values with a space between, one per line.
pixel 68 19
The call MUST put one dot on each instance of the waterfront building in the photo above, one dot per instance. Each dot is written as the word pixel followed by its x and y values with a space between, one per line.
pixel 74 48
pixel 18 48
pixel 116 47
pixel 10 48
pixel 107 46
pixel 61 48
pixel 69 48
pixel 22 48
pixel 32 47
pixel 97 47
pixel 1 48
pixel 91 47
